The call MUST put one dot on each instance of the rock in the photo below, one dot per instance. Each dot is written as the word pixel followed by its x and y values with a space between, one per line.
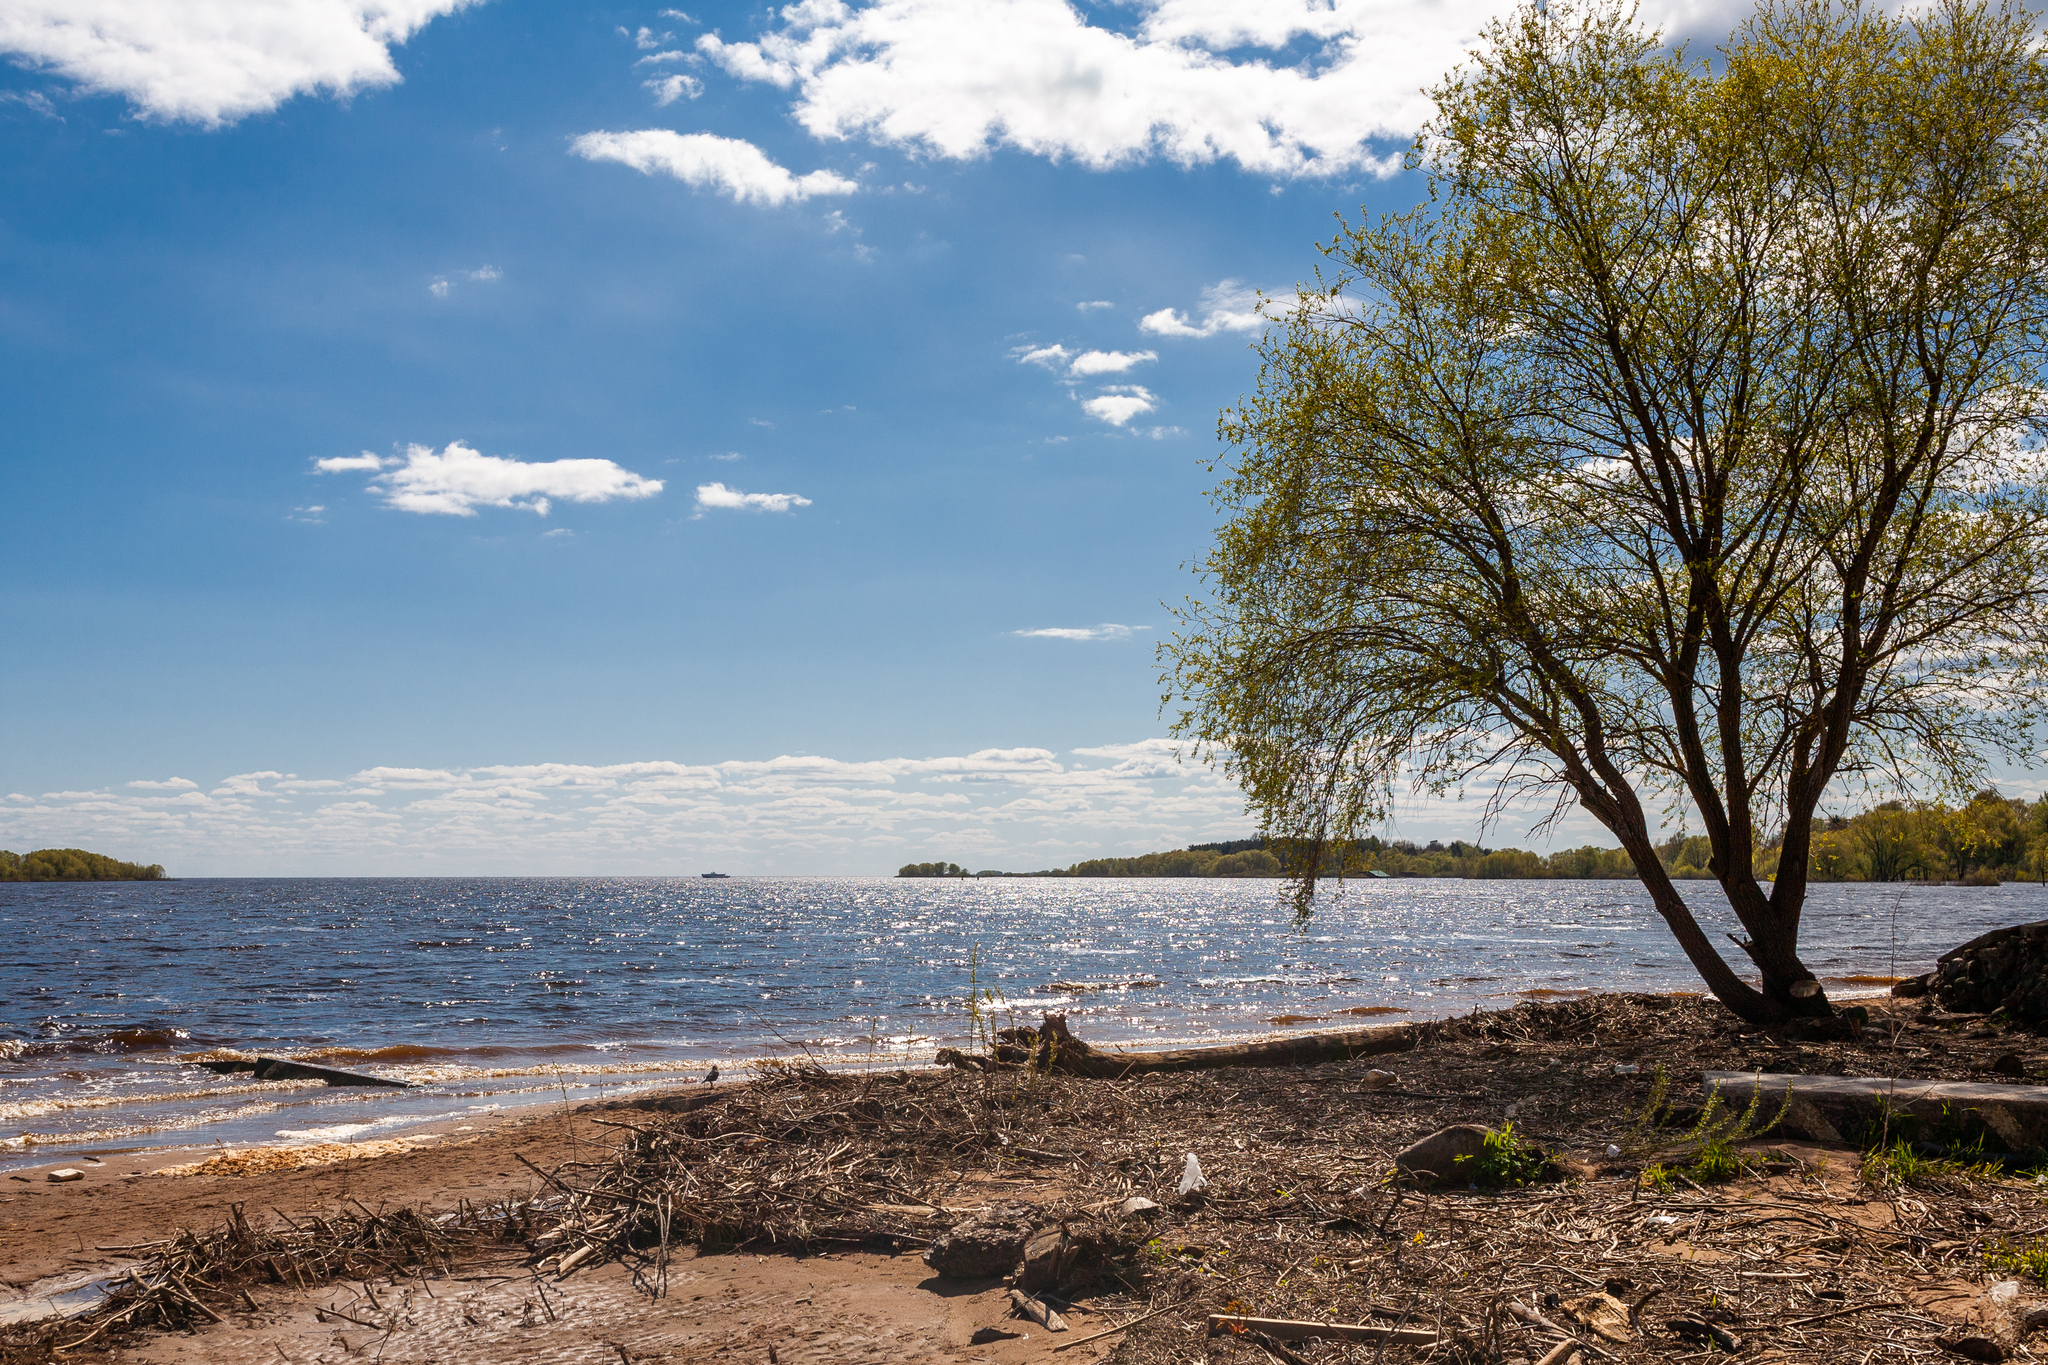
pixel 987 1244
pixel 988 1335
pixel 1984 1323
pixel 2006 969
pixel 1912 988
pixel 1377 1079
pixel 65 1176
pixel 1436 1156
pixel 2009 1064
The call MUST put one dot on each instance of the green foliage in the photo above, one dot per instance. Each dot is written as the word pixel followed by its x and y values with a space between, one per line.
pixel 1504 1160
pixel 2018 1258
pixel 73 865
pixel 1665 455
pixel 1901 1165
pixel 1657 1176
pixel 932 870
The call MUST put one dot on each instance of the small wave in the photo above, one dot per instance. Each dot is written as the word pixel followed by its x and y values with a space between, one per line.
pixel 35 1109
pixel 1865 980
pixel 11 1049
pixel 1374 1009
pixel 1137 985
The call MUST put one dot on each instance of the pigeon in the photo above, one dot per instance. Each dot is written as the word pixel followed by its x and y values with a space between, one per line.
pixel 711 1076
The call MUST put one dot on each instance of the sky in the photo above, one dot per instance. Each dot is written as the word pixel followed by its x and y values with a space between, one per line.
pixel 516 437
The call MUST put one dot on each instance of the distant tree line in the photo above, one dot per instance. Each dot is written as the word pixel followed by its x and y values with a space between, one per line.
pixel 73 865
pixel 1988 840
pixel 932 870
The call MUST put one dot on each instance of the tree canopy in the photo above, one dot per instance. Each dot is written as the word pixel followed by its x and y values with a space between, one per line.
pixel 73 865
pixel 1678 457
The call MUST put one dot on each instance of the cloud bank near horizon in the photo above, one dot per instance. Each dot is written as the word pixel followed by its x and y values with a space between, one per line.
pixel 1017 810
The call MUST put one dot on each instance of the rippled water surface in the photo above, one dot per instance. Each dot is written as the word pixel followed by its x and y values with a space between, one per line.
pixel 491 991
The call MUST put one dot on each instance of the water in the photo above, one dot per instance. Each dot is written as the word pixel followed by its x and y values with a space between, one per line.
pixel 488 992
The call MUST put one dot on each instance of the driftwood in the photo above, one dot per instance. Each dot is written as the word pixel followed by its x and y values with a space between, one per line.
pixel 1280 1329
pixel 1051 1047
pixel 279 1069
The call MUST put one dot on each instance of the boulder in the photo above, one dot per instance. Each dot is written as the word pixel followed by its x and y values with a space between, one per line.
pixel 2005 969
pixel 1436 1156
pixel 984 1245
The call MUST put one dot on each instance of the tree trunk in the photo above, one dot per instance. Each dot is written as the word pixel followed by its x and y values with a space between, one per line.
pixel 1059 1050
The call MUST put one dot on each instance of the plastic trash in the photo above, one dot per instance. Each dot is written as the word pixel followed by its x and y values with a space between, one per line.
pixel 1626 1068
pixel 1191 1177
pixel 1612 1151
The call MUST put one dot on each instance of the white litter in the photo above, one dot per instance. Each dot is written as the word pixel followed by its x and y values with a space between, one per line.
pixel 1612 1151
pixel 1191 1177
pixel 1626 1068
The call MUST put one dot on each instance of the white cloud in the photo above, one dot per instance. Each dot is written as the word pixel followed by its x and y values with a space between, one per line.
pixel 444 285
pixel 214 61
pixel 706 161
pixel 175 784
pixel 458 480
pixel 1052 357
pixel 1227 306
pixel 341 464
pixel 1089 305
pixel 1108 362
pixel 1108 630
pixel 1018 808
pixel 1119 403
pixel 669 89
pixel 718 495
pixel 1281 87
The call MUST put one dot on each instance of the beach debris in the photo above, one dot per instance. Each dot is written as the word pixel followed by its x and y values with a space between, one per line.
pixel 1627 1069
pixel 1613 1151
pixel 1137 1204
pixel 65 1176
pixel 2006 969
pixel 1038 1310
pixel 1063 1257
pixel 1191 1177
pixel 1053 1047
pixel 1436 1157
pixel 1602 1314
pixel 1699 1329
pixel 284 1069
pixel 987 1244
pixel 1283 1329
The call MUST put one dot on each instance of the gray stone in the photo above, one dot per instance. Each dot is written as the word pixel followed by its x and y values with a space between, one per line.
pixel 1066 1255
pixel 984 1245
pixel 2005 969
pixel 1436 1156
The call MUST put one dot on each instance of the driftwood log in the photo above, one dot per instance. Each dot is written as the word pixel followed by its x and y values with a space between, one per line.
pixel 1051 1047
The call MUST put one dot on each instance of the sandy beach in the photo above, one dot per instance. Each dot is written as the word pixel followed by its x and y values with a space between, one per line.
pixel 813 1196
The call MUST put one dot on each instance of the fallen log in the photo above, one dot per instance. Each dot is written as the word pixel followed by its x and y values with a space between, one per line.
pixel 278 1069
pixel 1051 1047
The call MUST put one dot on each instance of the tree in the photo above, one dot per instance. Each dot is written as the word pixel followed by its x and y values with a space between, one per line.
pixel 1679 452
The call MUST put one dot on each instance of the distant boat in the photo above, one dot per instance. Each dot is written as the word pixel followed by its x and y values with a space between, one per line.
pixel 715 874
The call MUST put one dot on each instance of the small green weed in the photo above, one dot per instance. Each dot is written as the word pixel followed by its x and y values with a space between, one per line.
pixel 1718 1161
pixel 1504 1160
pixel 1657 1177
pixel 2018 1258
pixel 1900 1166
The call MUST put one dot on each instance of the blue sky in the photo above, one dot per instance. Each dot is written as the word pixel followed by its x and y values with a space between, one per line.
pixel 919 315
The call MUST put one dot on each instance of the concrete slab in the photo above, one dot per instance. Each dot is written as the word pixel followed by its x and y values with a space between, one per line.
pixel 2008 1118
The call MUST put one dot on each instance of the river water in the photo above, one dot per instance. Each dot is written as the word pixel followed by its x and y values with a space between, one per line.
pixel 490 992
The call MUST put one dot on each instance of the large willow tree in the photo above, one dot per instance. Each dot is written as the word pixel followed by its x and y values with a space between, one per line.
pixel 1678 455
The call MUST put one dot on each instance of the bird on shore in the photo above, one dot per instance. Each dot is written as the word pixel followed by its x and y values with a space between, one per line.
pixel 711 1076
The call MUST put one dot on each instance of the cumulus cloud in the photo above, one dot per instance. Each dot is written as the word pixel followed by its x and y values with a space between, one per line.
pixel 1108 630
pixel 718 495
pixel 1119 403
pixel 956 78
pixel 458 479
pixel 669 89
pixel 1021 808
pixel 726 165
pixel 175 784
pixel 196 61
pixel 1281 87
pixel 1108 362
pixel 1227 306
